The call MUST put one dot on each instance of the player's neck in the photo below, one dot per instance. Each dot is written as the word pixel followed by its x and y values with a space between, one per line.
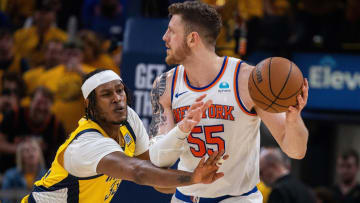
pixel 110 129
pixel 202 68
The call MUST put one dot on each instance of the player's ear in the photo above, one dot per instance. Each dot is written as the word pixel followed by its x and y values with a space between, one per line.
pixel 86 103
pixel 192 39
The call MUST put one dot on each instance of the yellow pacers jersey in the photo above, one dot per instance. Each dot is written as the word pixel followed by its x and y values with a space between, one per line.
pixel 60 186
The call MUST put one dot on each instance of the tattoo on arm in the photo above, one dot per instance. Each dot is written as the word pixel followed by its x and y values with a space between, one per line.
pixel 158 117
pixel 184 179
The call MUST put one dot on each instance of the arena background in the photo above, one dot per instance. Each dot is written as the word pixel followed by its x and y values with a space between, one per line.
pixel 324 41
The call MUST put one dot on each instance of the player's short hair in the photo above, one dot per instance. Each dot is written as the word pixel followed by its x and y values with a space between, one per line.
pixel 198 17
pixel 350 153
pixel 90 111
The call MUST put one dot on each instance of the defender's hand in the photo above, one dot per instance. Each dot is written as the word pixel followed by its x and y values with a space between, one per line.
pixel 206 171
pixel 194 114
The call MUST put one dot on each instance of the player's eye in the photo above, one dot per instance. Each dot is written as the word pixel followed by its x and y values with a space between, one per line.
pixel 119 91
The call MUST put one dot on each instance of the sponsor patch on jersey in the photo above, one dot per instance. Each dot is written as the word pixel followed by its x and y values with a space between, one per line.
pixel 224 87
pixel 127 139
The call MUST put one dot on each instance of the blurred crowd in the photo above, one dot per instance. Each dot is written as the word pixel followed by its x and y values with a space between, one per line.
pixel 280 26
pixel 280 185
pixel 46 46
pixel 284 26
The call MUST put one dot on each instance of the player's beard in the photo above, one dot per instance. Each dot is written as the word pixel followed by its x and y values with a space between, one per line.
pixel 179 55
pixel 101 116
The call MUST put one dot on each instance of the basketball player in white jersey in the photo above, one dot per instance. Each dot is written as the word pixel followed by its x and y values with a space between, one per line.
pixel 231 122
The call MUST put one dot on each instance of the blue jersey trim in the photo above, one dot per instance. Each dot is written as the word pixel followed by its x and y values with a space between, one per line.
pixel 173 83
pixel 237 91
pixel 191 199
pixel 88 178
pixel 82 132
pixel 31 199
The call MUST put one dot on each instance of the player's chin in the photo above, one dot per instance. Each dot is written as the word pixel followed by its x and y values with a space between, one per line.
pixel 119 119
pixel 170 60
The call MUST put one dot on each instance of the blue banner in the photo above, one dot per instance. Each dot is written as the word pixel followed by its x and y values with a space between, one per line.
pixel 334 80
pixel 143 60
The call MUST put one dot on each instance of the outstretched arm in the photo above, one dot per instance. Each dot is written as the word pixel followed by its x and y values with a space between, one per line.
pixel 142 172
pixel 146 156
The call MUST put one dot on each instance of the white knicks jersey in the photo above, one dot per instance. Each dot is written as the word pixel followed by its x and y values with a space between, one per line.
pixel 227 124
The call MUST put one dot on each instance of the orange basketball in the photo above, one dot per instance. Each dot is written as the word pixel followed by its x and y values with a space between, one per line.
pixel 275 83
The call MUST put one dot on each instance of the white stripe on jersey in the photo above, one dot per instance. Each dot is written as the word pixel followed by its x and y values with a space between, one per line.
pixel 224 125
pixel 58 196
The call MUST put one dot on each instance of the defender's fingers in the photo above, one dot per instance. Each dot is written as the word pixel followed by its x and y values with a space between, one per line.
pixel 221 160
pixel 219 155
pixel 212 157
pixel 202 162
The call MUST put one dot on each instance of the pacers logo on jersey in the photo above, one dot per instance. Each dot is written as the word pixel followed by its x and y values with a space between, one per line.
pixel 127 139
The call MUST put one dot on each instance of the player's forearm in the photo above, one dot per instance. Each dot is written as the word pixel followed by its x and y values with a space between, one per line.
pixel 294 143
pixel 148 174
pixel 165 190
pixel 142 172
pixel 166 149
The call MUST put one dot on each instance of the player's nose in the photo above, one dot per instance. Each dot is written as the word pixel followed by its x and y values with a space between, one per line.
pixel 117 97
pixel 165 35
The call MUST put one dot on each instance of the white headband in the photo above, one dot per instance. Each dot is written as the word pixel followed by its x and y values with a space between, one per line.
pixel 98 79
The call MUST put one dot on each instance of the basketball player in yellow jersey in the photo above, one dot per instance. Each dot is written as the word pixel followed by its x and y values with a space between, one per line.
pixel 231 123
pixel 109 144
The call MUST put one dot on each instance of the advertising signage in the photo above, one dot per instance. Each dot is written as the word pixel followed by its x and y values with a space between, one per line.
pixel 334 80
pixel 143 60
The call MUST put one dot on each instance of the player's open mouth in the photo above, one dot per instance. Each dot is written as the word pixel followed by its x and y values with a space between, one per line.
pixel 119 110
